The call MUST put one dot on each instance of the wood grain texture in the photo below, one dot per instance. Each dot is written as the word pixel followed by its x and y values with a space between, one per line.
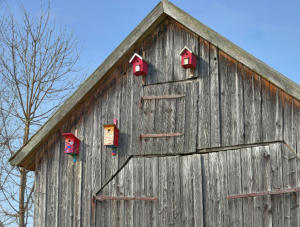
pixel 246 183
pixel 252 99
pixel 43 187
pixel 53 157
pixel 234 187
pixel 215 127
pixel 272 121
pixel 188 34
pixel 159 177
pixel 277 183
pixel 164 54
pixel 223 106
pixel 232 116
pixel 204 102
pixel 170 116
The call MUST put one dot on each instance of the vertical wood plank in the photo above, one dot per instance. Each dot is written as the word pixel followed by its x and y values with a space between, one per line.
pixel 238 106
pixel 43 187
pixel 176 193
pixel 207 196
pixel 266 185
pixel 149 189
pixel 187 191
pixel 191 117
pixel 69 193
pixel 277 183
pixel 180 116
pixel 247 179
pixel 296 110
pixel 105 152
pixel 214 190
pixel 87 170
pixel 234 187
pixel 136 114
pixel 271 112
pixel 128 205
pixel 168 120
pixel 290 168
pixel 293 164
pixel 171 165
pixel 77 194
pixel 163 187
pixel 148 121
pixel 52 181
pixel 37 194
pixel 125 119
pixel 285 179
pixel 231 101
pixel 257 186
pixel 114 184
pixel 120 204
pixel 97 147
pixel 252 100
pixel 204 103
pixel 197 190
pixel 214 96
pixel 223 160
pixel 138 186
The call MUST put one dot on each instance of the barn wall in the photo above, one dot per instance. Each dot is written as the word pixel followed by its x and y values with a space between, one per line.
pixel 224 104
pixel 192 190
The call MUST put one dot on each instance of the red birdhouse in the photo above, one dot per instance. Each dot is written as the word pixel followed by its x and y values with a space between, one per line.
pixel 140 66
pixel 72 144
pixel 111 135
pixel 188 59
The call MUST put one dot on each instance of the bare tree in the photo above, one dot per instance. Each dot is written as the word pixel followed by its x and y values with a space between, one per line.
pixel 36 66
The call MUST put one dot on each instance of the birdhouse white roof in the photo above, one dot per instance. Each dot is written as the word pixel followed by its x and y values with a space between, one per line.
pixel 185 48
pixel 135 55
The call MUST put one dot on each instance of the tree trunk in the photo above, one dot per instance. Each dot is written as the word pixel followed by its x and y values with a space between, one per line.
pixel 23 181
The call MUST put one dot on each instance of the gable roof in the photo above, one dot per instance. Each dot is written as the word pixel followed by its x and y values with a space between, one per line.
pixel 26 155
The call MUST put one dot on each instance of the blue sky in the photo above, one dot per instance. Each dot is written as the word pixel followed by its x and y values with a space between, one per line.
pixel 269 30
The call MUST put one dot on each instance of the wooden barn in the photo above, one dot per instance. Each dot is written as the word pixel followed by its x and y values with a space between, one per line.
pixel 177 127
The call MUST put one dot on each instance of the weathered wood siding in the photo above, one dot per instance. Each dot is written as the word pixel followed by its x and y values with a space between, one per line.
pixel 192 190
pixel 176 181
pixel 224 104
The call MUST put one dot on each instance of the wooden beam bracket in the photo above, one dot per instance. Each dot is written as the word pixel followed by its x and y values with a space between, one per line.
pixel 255 194
pixel 161 135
